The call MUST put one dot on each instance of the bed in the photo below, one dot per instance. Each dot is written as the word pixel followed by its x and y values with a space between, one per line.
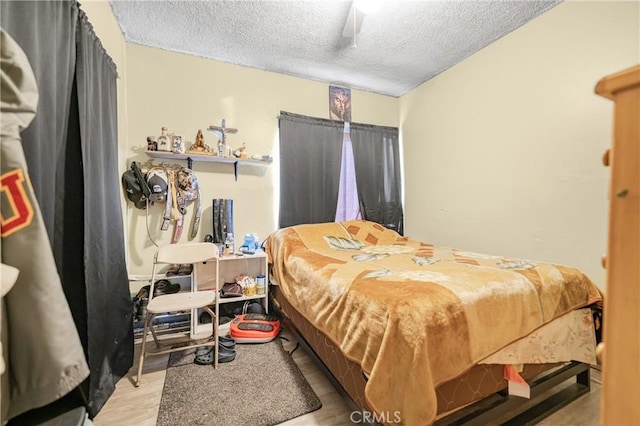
pixel 401 323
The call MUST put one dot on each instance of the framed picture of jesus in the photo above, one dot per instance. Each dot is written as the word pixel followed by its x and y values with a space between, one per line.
pixel 339 103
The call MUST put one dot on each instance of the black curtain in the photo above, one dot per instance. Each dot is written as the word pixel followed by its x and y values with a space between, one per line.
pixel 108 300
pixel 72 159
pixel 310 155
pixel 376 154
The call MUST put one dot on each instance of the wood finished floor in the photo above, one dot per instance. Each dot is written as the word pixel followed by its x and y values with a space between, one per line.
pixel 133 406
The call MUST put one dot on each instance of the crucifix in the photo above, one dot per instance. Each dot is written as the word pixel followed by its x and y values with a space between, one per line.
pixel 223 130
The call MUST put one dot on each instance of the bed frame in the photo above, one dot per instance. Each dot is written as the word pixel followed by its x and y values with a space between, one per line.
pixel 550 390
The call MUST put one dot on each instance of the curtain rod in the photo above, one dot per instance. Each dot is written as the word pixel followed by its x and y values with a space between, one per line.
pixel 299 117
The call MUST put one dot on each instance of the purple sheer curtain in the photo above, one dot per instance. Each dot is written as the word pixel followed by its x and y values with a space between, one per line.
pixel 348 202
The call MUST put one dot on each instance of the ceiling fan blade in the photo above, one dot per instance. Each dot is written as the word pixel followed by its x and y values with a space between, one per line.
pixel 354 13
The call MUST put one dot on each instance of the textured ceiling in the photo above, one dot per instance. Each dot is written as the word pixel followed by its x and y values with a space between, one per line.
pixel 400 46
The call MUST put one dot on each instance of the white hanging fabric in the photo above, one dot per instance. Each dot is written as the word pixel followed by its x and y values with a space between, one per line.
pixel 348 203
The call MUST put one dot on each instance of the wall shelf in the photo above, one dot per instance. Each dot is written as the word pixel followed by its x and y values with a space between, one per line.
pixel 209 159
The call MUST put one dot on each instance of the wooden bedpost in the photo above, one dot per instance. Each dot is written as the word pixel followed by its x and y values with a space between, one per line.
pixel 621 358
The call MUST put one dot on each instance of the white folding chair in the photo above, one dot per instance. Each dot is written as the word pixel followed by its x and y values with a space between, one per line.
pixel 191 253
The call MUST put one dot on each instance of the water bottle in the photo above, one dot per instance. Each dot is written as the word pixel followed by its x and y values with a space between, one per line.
pixel 260 284
pixel 228 244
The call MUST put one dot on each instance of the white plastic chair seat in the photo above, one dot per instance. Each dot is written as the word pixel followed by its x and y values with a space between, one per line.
pixel 181 301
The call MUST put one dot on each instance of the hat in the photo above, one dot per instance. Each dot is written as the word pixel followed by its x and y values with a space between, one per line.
pixel 158 184
pixel 133 189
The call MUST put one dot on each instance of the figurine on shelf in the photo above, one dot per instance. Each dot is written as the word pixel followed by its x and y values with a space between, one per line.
pixel 199 147
pixel 164 140
pixel 152 144
pixel 241 152
pixel 178 145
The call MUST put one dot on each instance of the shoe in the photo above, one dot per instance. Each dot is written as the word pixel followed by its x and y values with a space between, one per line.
pixel 135 305
pixel 173 270
pixel 205 318
pixel 205 357
pixel 202 350
pixel 165 287
pixel 226 356
pixel 142 309
pixel 160 288
pixel 223 343
pixel 143 293
pixel 226 342
pixel 185 269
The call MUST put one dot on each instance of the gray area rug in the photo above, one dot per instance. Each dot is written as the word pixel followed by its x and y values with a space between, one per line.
pixel 262 386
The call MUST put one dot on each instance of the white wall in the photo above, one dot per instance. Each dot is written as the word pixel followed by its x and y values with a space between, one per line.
pixel 188 93
pixel 503 151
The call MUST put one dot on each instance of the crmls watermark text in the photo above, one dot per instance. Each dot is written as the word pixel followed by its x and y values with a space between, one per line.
pixel 387 417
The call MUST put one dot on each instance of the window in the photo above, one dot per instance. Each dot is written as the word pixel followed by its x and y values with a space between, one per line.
pixel 314 154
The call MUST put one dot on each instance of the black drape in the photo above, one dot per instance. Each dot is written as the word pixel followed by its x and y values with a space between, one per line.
pixel 310 155
pixel 376 154
pixel 72 159
pixel 108 305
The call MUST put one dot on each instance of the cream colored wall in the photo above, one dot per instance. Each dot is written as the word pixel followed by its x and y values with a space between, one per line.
pixel 188 93
pixel 503 151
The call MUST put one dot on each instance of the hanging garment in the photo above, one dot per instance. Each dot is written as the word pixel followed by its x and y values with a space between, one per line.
pixel 189 190
pixel 46 359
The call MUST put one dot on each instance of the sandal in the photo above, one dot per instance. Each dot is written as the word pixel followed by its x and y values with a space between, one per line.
pixel 203 350
pixel 224 343
pixel 224 355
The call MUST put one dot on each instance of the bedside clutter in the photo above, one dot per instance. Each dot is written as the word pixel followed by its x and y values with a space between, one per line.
pixel 247 322
pixel 244 328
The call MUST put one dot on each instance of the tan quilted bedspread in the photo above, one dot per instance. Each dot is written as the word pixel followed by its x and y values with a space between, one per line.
pixel 412 314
